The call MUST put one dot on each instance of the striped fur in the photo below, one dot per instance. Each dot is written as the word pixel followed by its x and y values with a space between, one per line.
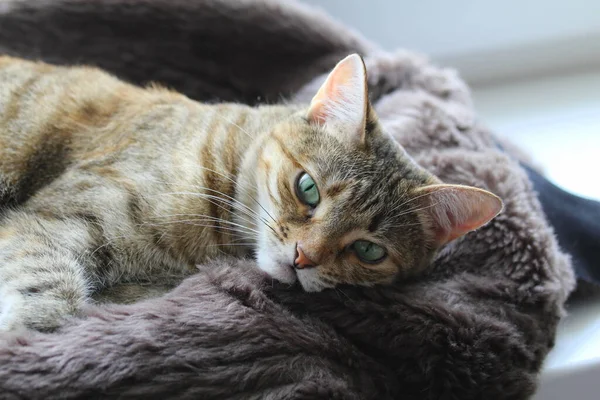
pixel 103 182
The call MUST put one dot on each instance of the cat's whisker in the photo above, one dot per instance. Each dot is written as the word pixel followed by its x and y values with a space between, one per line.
pixel 107 243
pixel 351 170
pixel 338 290
pixel 229 179
pixel 231 245
pixel 211 198
pixel 242 238
pixel 236 125
pixel 273 230
pixel 232 232
pixel 409 201
pixel 194 222
pixel 237 186
pixel 344 293
pixel 398 226
pixel 230 201
pixel 238 229
pixel 413 210
pixel 229 197
pixel 201 218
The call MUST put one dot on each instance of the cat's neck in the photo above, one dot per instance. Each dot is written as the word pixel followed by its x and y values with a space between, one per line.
pixel 227 141
pixel 259 126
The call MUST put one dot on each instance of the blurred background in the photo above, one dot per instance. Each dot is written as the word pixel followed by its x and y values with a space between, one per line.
pixel 533 67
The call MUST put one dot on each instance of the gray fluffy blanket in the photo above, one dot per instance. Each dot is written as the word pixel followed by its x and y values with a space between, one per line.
pixel 478 324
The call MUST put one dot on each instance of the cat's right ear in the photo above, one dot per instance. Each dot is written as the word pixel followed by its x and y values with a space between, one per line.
pixel 450 211
pixel 342 102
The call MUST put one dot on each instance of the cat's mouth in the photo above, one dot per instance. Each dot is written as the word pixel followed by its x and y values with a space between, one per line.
pixel 287 274
pixel 282 272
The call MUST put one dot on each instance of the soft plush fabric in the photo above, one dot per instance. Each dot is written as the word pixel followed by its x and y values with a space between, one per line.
pixel 478 324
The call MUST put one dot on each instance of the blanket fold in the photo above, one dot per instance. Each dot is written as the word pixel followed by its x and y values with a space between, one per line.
pixel 477 324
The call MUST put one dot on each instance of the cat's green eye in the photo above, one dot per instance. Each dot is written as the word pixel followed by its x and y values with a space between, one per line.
pixel 368 252
pixel 307 191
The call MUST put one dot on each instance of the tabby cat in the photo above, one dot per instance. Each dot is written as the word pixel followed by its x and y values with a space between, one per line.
pixel 102 182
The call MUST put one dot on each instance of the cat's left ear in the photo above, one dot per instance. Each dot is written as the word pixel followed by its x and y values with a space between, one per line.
pixel 341 104
pixel 450 211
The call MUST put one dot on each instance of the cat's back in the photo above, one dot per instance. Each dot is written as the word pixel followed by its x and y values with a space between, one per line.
pixel 36 92
pixel 41 108
pixel 53 116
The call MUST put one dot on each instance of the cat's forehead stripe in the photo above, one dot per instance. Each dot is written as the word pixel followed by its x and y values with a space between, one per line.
pixel 287 153
pixel 375 222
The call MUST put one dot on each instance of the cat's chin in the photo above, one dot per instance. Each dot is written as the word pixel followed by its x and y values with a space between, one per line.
pixel 310 282
pixel 276 270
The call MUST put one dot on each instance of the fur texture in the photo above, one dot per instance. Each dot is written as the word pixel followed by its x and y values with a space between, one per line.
pixel 477 325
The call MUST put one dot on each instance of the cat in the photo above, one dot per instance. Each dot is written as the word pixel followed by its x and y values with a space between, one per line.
pixel 103 182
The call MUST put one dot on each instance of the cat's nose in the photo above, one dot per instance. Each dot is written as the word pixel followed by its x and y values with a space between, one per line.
pixel 302 261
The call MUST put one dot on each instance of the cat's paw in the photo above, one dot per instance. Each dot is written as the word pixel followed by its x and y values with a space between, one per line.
pixel 40 311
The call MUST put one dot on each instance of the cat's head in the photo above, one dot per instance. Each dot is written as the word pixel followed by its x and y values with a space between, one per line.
pixel 341 201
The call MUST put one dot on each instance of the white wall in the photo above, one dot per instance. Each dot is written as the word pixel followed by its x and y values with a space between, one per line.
pixel 554 118
pixel 487 40
pixel 443 27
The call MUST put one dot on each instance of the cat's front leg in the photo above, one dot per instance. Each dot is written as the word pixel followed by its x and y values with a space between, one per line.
pixel 42 280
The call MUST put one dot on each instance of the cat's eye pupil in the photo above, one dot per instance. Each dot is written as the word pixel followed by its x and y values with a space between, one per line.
pixel 368 251
pixel 307 190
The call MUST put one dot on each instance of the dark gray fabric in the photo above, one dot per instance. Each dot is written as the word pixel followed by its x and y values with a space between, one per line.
pixel 209 50
pixel 478 324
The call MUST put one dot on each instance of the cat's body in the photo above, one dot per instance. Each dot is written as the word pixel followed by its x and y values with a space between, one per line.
pixel 106 170
pixel 102 182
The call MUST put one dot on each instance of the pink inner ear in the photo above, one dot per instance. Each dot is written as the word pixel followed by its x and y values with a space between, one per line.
pixel 341 101
pixel 336 94
pixel 317 113
pixel 456 210
pixel 459 228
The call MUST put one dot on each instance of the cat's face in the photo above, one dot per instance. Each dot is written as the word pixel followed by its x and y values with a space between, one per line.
pixel 348 210
pixel 343 204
